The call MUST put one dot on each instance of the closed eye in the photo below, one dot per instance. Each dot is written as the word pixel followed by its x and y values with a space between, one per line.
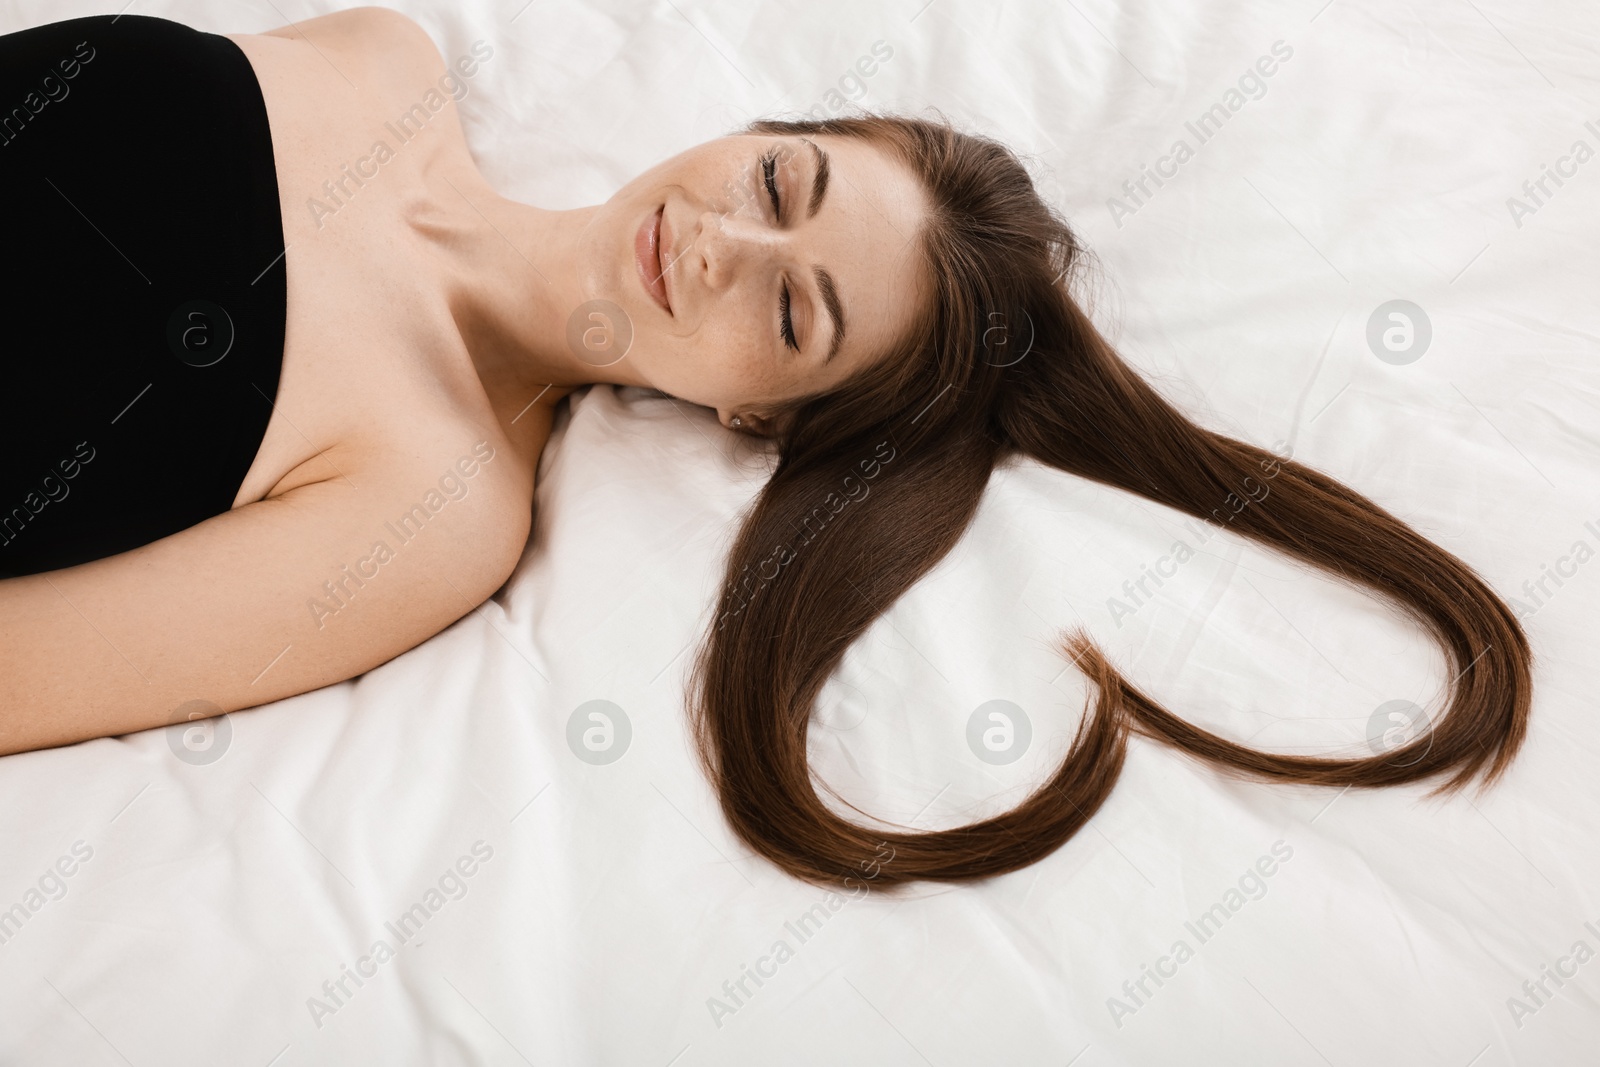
pixel 769 172
pixel 785 326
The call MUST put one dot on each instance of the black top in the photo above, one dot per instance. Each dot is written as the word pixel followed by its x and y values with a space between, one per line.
pixel 143 287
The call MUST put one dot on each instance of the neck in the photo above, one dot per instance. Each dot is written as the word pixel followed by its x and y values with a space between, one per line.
pixel 514 277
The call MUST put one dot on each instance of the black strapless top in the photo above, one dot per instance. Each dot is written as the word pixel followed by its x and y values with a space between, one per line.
pixel 144 285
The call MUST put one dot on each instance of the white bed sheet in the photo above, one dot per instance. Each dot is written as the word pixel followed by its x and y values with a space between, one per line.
pixel 608 904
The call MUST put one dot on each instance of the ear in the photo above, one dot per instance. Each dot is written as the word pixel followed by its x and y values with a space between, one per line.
pixel 750 423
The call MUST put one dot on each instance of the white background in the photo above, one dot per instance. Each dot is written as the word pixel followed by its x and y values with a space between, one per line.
pixel 1377 166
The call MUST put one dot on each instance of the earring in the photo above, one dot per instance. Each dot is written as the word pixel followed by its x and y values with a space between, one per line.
pixel 737 422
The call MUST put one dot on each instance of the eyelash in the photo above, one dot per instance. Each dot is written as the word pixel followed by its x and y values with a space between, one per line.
pixel 787 327
pixel 769 169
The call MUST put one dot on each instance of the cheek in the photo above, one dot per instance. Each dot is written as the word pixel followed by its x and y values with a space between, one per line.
pixel 738 336
pixel 718 365
pixel 738 348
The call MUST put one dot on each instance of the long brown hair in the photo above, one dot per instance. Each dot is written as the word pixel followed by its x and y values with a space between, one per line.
pixel 806 575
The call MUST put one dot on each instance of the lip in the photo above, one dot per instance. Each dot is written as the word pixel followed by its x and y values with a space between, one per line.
pixel 649 257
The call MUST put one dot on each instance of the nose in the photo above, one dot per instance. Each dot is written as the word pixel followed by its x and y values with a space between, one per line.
pixel 729 242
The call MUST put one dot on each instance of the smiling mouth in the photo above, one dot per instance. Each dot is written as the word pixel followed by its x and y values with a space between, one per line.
pixel 648 258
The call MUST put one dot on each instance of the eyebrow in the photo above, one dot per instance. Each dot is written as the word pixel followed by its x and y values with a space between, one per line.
pixel 830 300
pixel 819 184
pixel 825 285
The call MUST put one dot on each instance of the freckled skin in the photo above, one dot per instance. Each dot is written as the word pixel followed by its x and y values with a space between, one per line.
pixel 722 346
pixel 427 319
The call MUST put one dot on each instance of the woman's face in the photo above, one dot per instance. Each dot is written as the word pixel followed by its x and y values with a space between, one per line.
pixel 764 241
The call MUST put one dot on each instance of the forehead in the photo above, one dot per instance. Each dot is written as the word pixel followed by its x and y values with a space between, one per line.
pixel 865 234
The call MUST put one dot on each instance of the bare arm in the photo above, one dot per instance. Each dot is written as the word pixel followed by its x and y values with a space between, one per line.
pixel 225 611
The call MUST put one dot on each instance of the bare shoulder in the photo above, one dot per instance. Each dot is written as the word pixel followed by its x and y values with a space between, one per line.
pixel 377 29
pixel 375 50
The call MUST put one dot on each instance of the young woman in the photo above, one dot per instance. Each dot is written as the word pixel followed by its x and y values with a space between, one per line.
pixel 273 318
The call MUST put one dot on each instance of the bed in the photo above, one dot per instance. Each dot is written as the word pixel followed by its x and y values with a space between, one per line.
pixel 499 849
